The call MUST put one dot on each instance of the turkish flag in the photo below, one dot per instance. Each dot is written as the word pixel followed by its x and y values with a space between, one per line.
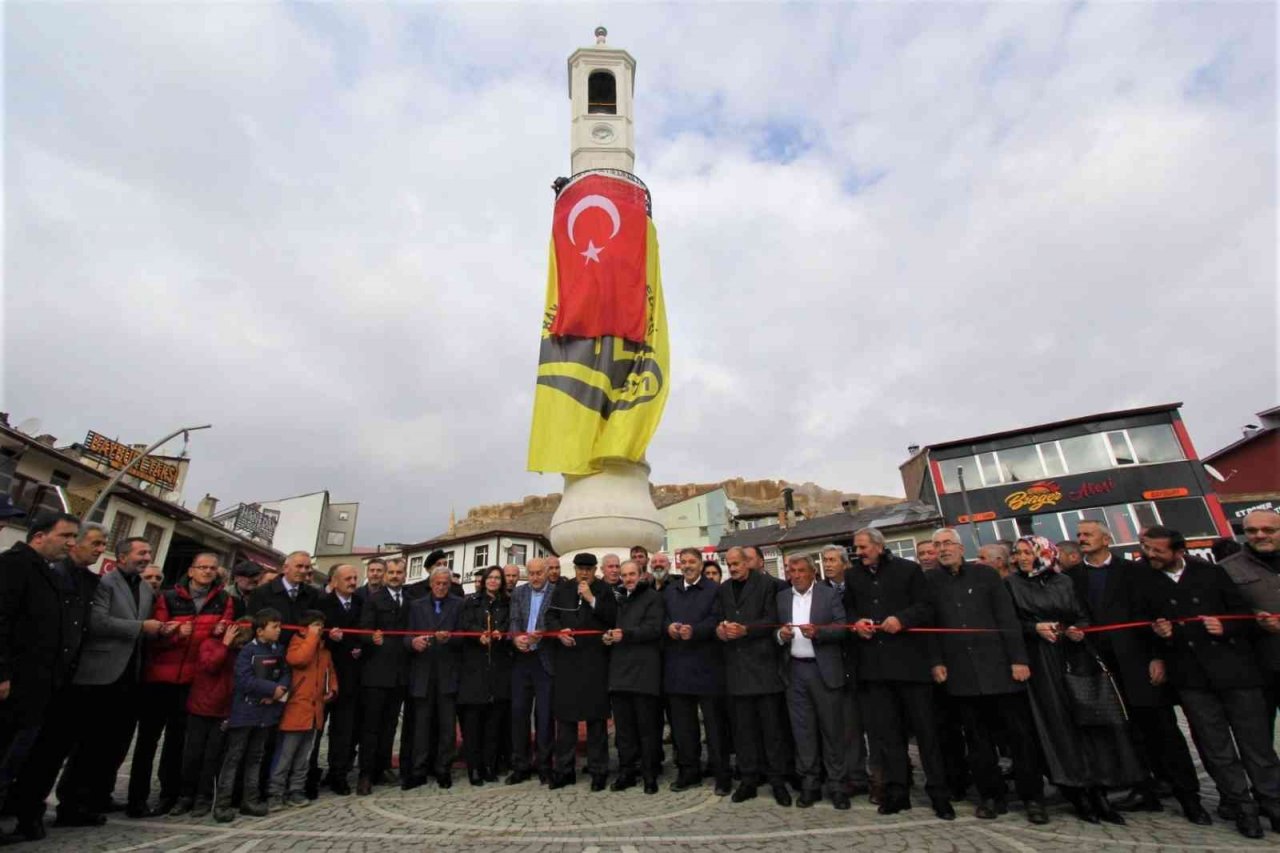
pixel 599 232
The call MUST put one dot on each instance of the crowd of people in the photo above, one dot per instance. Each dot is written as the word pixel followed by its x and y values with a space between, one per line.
pixel 225 683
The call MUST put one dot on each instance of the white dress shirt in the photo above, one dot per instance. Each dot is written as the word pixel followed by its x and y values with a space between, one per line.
pixel 801 605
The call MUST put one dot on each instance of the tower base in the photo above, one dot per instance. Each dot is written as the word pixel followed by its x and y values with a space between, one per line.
pixel 607 512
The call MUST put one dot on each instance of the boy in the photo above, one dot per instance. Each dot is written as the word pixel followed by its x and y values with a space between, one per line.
pixel 208 707
pixel 314 683
pixel 257 701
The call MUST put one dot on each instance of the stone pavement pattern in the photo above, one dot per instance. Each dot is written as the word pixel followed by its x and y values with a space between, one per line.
pixel 528 818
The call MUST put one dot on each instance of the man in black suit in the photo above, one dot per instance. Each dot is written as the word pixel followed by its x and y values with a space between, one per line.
pixel 290 595
pixel 341 610
pixel 35 633
pixel 1106 587
pixel 884 596
pixel 434 658
pixel 383 679
pixel 1211 665
pixel 749 606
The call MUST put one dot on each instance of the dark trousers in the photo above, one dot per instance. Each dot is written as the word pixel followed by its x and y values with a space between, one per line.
pixel 483 734
pixel 63 726
pixel 1234 734
pixel 1272 694
pixel 1159 740
pixel 685 735
pixel 242 763
pixel 341 722
pixel 409 736
pixel 530 695
pixel 434 730
pixel 635 733
pixel 955 758
pixel 980 715
pixel 567 745
pixel 817 723
pixel 99 750
pixel 202 757
pixel 380 711
pixel 889 707
pixel 162 709
pixel 857 756
pixel 18 744
pixel 502 759
pixel 758 731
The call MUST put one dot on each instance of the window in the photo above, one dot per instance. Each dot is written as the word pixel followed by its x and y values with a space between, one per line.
pixel 702 531
pixel 481 558
pixel 1146 514
pixel 990 469
pixel 344 516
pixel 950 480
pixel 1155 443
pixel 1003 528
pixel 153 533
pixel 1049 525
pixel 1188 516
pixel 448 561
pixel 1084 453
pixel 904 548
pixel 121 528
pixel 1021 463
pixel 1121 451
pixel 335 537
pixel 1051 459
pixel 415 566
pixel 516 554
pixel 602 93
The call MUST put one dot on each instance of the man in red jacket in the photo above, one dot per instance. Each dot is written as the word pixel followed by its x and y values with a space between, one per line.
pixel 194 607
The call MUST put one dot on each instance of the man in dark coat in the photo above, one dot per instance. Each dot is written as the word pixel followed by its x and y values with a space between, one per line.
pixel 635 678
pixel 37 629
pixel 434 657
pixel 985 674
pixel 693 674
pixel 374 572
pixel 1210 663
pixel 289 595
pixel 532 670
pixel 1255 570
pixel 1106 588
pixel 835 571
pixel 341 611
pixel 749 608
pixel 582 671
pixel 384 677
pixel 884 596
pixel 813 669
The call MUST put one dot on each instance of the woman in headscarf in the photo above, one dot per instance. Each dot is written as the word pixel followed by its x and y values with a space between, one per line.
pixel 1082 761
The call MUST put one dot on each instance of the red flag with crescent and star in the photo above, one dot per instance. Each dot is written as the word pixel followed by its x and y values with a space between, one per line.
pixel 599 232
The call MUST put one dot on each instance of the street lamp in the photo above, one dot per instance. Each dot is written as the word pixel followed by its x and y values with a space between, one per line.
pixel 106 492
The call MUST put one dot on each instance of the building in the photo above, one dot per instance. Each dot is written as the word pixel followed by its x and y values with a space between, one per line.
pixel 310 522
pixel 902 524
pixel 1131 469
pixel 1247 471
pixel 37 475
pixel 490 546
pixel 694 522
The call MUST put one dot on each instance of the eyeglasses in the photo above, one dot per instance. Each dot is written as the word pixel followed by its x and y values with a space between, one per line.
pixel 1267 531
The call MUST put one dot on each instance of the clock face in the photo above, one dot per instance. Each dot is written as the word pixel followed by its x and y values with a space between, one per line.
pixel 602 134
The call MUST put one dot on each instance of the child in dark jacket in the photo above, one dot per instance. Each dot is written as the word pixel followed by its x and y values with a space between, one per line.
pixel 208 707
pixel 257 702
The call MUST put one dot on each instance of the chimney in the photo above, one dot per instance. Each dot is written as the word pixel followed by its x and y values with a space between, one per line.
pixel 850 504
pixel 1250 429
pixel 46 439
pixel 207 507
pixel 913 449
pixel 789 498
pixel 783 521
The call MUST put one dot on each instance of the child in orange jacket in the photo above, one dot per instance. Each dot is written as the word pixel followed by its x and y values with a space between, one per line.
pixel 315 683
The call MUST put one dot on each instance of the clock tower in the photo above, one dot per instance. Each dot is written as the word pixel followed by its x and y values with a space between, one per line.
pixel 602 94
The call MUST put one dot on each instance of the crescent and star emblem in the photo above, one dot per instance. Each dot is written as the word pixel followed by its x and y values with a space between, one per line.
pixel 584 204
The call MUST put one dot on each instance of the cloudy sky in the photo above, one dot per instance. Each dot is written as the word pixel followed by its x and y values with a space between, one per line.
pixel 323 228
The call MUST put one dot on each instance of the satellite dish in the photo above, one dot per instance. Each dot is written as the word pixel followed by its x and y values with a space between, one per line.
pixel 505 544
pixel 31 426
pixel 1214 473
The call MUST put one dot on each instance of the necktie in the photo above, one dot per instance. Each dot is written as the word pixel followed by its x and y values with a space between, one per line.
pixel 396 596
pixel 346 606
pixel 293 594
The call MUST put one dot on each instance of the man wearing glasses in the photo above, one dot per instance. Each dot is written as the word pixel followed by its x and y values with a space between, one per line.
pixel 1256 574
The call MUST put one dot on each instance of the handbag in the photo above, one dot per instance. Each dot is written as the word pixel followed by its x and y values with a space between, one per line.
pixel 1094 695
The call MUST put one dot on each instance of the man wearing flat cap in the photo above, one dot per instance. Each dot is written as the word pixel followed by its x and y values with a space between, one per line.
pixel 581 671
pixel 244 580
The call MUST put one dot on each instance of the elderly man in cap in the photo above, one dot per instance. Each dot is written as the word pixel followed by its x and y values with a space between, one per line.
pixel 581 689
pixel 244 580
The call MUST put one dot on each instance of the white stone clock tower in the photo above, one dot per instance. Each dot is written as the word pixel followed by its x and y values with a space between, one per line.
pixel 602 91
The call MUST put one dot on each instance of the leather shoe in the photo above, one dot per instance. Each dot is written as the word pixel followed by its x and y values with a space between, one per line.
pixel 445 780
pixel 364 787
pixel 986 810
pixel 806 799
pixel 651 786
pixel 518 776
pixel 598 783
pixel 893 805
pixel 340 787
pixel 623 782
pixel 684 783
pixel 1036 812
pixel 744 793
pixel 723 789
pixel 475 777
pixel 1194 812
pixel 1138 801
pixel 1248 824
pixel 489 774
pixel 562 780
pixel 781 795
pixel 840 801
pixel 944 810
pixel 411 782
pixel 1102 807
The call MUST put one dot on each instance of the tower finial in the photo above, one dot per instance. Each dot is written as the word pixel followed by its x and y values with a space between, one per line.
pixel 601 35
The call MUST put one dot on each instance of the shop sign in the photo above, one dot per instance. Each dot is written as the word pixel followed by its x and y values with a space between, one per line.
pixel 1035 497
pixel 119 456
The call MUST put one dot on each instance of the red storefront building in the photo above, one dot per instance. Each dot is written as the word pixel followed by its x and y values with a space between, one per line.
pixel 1131 469
pixel 1247 471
